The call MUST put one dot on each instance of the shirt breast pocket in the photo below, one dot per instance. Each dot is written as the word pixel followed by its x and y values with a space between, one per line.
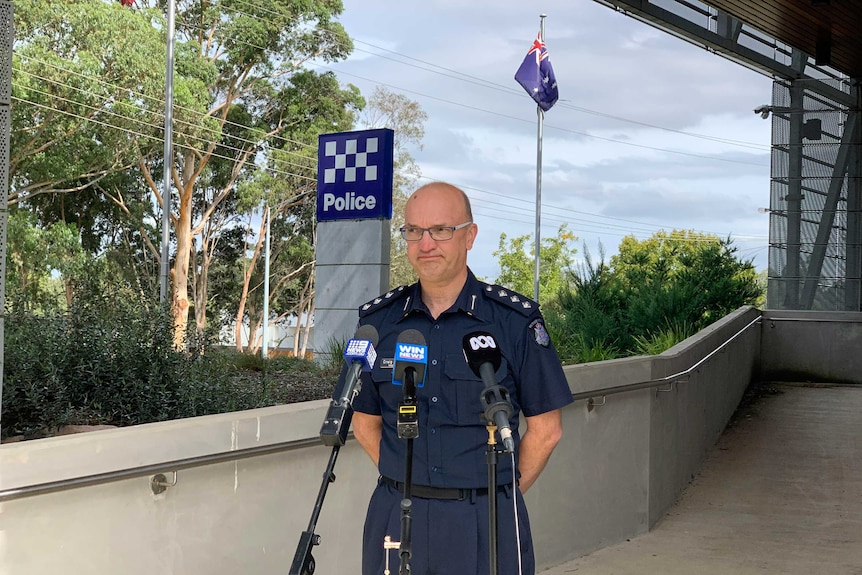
pixel 389 394
pixel 466 388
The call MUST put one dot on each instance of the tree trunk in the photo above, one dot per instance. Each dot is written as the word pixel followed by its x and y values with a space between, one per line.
pixel 180 272
pixel 243 298
pixel 307 330
pixel 254 338
pixel 309 311
pixel 200 291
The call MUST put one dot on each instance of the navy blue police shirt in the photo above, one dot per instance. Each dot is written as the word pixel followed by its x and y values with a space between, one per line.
pixel 451 448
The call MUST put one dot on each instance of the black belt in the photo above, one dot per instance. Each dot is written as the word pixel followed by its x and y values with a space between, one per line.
pixel 428 492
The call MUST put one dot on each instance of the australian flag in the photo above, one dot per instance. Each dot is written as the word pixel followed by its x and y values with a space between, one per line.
pixel 537 76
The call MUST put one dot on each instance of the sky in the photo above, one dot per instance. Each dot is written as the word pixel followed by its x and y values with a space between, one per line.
pixel 650 133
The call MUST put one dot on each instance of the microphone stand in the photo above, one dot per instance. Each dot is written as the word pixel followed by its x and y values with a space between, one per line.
pixel 303 561
pixel 408 428
pixel 495 399
pixel 333 432
pixel 491 458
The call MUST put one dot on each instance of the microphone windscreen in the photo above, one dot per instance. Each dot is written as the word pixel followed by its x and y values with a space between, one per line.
pixel 368 332
pixel 410 352
pixel 411 336
pixel 481 347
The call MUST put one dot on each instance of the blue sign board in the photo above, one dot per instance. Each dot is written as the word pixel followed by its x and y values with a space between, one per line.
pixel 354 175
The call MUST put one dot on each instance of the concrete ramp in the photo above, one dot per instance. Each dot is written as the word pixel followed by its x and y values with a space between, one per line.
pixel 780 493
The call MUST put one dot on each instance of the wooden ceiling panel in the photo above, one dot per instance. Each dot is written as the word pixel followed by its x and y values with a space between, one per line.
pixel 827 29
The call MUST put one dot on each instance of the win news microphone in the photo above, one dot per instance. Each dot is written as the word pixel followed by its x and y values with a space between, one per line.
pixel 360 356
pixel 411 359
pixel 483 356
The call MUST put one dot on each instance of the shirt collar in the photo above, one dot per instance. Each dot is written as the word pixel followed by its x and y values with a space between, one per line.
pixel 470 301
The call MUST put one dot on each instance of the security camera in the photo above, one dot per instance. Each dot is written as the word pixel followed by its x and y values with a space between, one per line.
pixel 763 110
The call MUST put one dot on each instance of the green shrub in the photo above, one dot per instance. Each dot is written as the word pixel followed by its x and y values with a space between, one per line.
pixel 654 343
pixel 110 359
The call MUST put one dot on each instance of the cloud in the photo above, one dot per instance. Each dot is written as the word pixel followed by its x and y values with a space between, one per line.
pixel 615 158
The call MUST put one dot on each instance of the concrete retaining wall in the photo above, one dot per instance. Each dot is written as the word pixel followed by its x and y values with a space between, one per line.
pixel 623 461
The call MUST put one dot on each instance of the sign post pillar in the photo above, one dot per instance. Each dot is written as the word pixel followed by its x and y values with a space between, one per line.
pixel 354 208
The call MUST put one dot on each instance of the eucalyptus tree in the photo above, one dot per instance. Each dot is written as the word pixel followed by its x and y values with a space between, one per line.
pixel 88 85
pixel 245 55
pixel 83 85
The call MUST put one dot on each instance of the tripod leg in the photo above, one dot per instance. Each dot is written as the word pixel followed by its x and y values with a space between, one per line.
pixel 303 561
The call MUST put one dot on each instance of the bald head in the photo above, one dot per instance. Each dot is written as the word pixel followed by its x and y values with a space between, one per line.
pixel 445 194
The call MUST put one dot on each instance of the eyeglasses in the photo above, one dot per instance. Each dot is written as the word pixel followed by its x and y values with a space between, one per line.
pixel 439 233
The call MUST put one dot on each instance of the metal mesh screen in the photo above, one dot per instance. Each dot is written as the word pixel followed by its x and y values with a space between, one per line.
pixel 810 186
pixel 7 36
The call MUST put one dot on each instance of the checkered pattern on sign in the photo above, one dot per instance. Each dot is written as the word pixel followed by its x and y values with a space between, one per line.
pixel 353 163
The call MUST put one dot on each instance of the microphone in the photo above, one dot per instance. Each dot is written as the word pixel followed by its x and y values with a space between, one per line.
pixel 484 358
pixel 360 356
pixel 411 355
pixel 411 358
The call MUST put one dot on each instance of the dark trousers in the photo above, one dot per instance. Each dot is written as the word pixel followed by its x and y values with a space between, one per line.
pixel 449 536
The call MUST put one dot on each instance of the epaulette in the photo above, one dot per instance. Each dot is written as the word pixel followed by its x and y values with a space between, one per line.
pixel 513 299
pixel 381 301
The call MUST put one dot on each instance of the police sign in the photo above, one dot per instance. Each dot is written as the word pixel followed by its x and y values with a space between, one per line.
pixel 354 175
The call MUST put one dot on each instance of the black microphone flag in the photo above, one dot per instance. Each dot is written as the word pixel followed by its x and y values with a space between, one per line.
pixel 359 355
pixel 484 358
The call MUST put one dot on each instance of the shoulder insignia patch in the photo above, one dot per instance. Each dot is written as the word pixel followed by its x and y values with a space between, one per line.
pixel 381 301
pixel 540 333
pixel 511 299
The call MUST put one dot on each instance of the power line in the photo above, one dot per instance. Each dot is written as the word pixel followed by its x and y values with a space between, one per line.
pixel 486 111
pixel 513 91
pixel 148 136
pixel 551 126
pixel 656 227
pixel 472 79
pixel 156 112
pixel 586 134
pixel 143 123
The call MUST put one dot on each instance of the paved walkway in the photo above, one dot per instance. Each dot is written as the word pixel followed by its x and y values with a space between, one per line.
pixel 781 493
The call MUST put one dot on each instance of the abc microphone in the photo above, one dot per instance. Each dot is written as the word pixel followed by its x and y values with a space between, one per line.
pixel 360 356
pixel 411 358
pixel 483 356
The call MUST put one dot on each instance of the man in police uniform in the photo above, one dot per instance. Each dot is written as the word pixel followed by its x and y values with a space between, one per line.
pixel 450 471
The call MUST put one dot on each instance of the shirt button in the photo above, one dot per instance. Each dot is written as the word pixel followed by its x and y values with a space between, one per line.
pixel 436 327
pixel 433 362
pixel 434 399
pixel 433 431
pixel 434 469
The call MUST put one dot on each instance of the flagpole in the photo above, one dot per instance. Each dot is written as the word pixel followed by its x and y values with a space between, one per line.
pixel 538 235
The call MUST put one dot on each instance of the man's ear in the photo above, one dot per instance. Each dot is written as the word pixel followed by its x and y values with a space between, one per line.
pixel 472 232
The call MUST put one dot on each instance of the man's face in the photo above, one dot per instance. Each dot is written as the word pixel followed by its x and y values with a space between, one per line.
pixel 439 262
